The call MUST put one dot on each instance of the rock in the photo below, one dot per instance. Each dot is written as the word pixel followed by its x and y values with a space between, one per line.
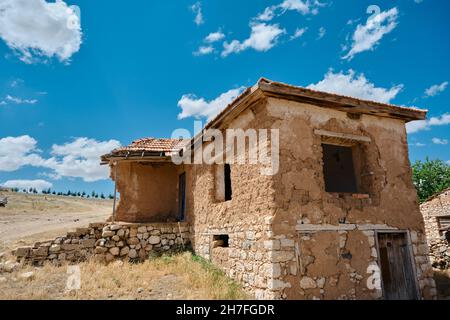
pixel 41 251
pixel 22 252
pixel 100 250
pixel 118 263
pixel 114 227
pixel 2 279
pixel 133 241
pixel 109 257
pixel 121 233
pixel 140 290
pixel 154 240
pixel 27 275
pixel 106 234
pixel 124 251
pixel 114 251
pixel 115 238
pixel 88 243
pixel 287 242
pixel 307 283
pixel 10 266
pixel 55 248
pixel 132 253
pixel 142 229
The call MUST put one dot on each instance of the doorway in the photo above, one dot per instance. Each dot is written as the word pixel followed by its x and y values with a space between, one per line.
pixel 181 196
pixel 397 271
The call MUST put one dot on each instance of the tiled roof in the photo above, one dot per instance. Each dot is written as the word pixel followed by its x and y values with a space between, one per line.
pixel 153 144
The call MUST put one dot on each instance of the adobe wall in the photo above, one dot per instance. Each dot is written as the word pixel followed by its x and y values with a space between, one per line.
pixel 332 235
pixel 148 192
pixel 439 247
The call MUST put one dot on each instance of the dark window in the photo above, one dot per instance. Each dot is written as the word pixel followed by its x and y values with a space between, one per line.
pixel 227 178
pixel 220 240
pixel 338 169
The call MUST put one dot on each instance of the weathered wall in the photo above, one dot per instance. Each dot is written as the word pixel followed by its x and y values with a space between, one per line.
pixel 338 260
pixel 107 242
pixel 438 206
pixel 148 192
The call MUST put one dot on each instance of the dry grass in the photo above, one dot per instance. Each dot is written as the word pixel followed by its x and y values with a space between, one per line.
pixel 181 276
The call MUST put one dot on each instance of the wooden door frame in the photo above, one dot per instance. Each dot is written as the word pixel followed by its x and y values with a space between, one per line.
pixel 182 198
pixel 411 258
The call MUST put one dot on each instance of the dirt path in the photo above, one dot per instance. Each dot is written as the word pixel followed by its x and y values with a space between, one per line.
pixel 30 218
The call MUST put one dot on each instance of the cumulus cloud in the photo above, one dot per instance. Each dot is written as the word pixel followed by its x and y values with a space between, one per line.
pixel 77 159
pixel 263 37
pixel 204 50
pixel 80 159
pixel 39 185
pixel 368 35
pixel 439 141
pixel 421 125
pixel 37 28
pixel 214 36
pixel 436 89
pixel 197 9
pixel 303 7
pixel 192 106
pixel 354 85
pixel 16 152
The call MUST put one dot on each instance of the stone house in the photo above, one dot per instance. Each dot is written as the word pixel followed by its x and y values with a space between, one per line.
pixel 436 214
pixel 339 219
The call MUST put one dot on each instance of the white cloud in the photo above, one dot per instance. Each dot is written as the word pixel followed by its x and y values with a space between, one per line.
pixel 77 159
pixel 263 37
pixel 322 32
pixel 204 50
pixel 16 152
pixel 421 125
pixel 214 36
pixel 304 7
pixel 197 9
pixel 16 100
pixel 80 159
pixel 39 185
pixel 37 28
pixel 354 85
pixel 439 141
pixel 436 89
pixel 448 162
pixel 191 106
pixel 367 36
pixel 298 33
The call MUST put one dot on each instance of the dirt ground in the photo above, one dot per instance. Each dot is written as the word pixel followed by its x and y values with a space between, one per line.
pixel 28 218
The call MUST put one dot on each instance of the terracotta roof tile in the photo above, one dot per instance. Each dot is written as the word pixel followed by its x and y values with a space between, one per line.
pixel 153 144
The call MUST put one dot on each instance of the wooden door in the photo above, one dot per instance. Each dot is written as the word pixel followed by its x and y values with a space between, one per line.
pixel 396 267
pixel 181 196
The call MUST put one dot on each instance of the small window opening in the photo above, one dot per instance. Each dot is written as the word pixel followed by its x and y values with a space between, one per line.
pixel 339 169
pixel 227 178
pixel 221 241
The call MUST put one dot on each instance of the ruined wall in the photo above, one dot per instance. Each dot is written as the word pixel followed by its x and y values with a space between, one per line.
pixel 107 242
pixel 333 259
pixel 438 206
pixel 148 192
pixel 246 219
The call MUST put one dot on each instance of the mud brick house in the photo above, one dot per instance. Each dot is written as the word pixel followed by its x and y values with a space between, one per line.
pixel 339 219
pixel 436 214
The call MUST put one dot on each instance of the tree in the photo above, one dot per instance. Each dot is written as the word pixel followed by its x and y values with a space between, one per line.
pixel 102 196
pixel 430 177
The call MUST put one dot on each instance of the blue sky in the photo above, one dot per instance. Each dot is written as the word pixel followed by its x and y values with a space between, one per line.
pixel 126 70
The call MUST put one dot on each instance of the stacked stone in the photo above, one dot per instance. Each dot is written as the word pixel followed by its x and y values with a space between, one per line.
pixel 136 242
pixel 440 254
pixel 107 242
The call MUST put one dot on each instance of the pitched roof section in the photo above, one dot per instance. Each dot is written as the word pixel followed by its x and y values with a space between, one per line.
pixel 146 147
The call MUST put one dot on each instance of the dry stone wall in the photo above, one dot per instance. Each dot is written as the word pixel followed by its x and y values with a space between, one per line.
pixel 107 242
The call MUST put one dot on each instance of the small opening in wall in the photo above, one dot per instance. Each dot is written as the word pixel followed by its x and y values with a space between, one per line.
pixel 227 178
pixel 220 241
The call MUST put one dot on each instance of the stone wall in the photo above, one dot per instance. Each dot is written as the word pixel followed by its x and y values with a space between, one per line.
pixel 432 210
pixel 107 242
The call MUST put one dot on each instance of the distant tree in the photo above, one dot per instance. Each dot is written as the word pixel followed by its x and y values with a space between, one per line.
pixel 25 191
pixel 54 192
pixel 83 194
pixel 78 194
pixel 34 190
pixel 102 196
pixel 430 177
pixel 111 196
pixel 30 190
pixel 93 194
